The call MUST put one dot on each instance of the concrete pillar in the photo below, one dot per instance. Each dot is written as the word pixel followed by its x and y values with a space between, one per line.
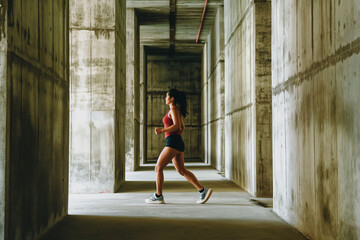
pixel 4 115
pixel 143 106
pixel 132 126
pixel 93 96
pixel 264 170
pixel 204 107
pixel 214 113
pixel 316 62
pixel 248 152
pixel 120 91
pixel 38 97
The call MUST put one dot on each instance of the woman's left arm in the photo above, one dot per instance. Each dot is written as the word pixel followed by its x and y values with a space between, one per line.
pixel 182 126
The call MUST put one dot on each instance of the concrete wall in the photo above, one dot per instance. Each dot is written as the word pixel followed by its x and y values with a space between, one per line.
pixel 132 134
pixel 120 91
pixel 39 116
pixel 263 99
pixel 205 153
pixel 142 106
pixel 184 74
pixel 93 89
pixel 4 115
pixel 213 89
pixel 248 154
pixel 316 63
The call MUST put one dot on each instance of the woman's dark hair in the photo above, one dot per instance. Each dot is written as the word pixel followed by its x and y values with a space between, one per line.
pixel 179 100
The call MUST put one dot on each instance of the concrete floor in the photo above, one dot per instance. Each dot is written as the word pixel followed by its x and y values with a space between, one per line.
pixel 230 213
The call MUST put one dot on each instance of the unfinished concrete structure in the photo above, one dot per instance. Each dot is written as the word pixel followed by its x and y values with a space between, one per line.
pixel 315 82
pixel 272 87
pixel 92 98
pixel 97 99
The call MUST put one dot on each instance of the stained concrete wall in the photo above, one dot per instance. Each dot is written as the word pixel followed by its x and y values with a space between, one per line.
pixel 93 88
pixel 39 116
pixel 184 74
pixel 248 147
pixel 213 94
pixel 4 115
pixel 316 62
pixel 142 106
pixel 205 153
pixel 132 134
pixel 120 91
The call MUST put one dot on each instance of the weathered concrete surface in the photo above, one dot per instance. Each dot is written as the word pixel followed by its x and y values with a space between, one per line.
pixel 132 135
pixel 316 62
pixel 205 155
pixel 213 89
pixel 229 214
pixel 39 115
pixel 248 155
pixel 184 74
pixel 264 173
pixel 142 106
pixel 4 115
pixel 120 91
pixel 155 28
pixel 93 90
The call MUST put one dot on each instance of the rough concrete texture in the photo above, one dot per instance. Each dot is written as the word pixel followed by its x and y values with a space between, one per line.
pixel 39 115
pixel 142 106
pixel 120 91
pixel 213 89
pixel 184 74
pixel 264 173
pixel 92 66
pixel 230 213
pixel 248 155
pixel 205 155
pixel 316 62
pixel 3 114
pixel 132 134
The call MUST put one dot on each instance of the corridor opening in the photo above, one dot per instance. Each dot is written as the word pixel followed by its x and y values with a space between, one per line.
pixel 279 96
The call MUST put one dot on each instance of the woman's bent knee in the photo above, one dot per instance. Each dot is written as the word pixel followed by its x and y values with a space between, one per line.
pixel 158 168
pixel 182 172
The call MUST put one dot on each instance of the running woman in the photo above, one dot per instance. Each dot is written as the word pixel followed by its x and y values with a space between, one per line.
pixel 174 148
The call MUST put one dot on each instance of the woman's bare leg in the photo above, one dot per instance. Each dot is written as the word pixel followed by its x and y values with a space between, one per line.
pixel 164 159
pixel 178 162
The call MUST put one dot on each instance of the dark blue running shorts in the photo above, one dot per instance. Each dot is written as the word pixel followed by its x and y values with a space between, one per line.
pixel 175 141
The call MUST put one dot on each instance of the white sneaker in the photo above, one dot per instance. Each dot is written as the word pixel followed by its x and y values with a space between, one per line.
pixel 204 196
pixel 155 199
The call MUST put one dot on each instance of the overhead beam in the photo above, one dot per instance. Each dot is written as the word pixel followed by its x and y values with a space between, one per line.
pixel 172 19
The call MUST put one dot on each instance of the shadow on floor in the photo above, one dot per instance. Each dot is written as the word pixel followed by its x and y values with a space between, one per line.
pixel 176 186
pixel 75 227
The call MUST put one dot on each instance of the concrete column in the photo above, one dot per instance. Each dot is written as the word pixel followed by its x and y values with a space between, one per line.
pixel 120 91
pixel 215 92
pixel 37 166
pixel 264 173
pixel 132 126
pixel 3 114
pixel 93 96
pixel 142 107
pixel 316 68
pixel 204 107
pixel 248 156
